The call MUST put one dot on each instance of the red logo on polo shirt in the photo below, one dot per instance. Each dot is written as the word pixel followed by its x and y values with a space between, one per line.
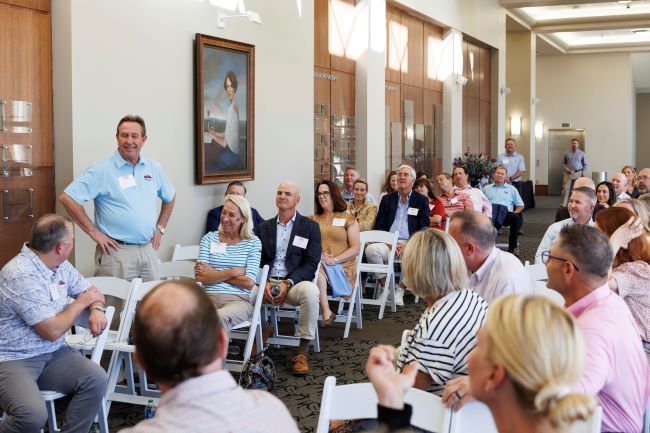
pixel 147 177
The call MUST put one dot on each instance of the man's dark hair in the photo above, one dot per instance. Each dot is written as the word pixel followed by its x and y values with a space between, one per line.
pixel 339 204
pixel 588 246
pixel 475 226
pixel 458 167
pixel 49 230
pixel 237 183
pixel 132 118
pixel 176 345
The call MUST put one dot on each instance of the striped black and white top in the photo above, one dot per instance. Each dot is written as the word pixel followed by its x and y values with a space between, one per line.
pixel 444 336
pixel 244 254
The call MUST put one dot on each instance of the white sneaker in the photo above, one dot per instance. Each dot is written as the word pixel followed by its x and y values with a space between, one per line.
pixel 399 297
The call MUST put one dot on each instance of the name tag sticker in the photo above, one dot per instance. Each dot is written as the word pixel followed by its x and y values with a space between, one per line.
pixel 453 201
pixel 431 206
pixel 217 248
pixel 338 222
pixel 127 181
pixel 506 160
pixel 413 211
pixel 300 242
pixel 54 292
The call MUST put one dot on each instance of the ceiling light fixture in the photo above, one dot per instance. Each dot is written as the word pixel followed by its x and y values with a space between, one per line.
pixel 252 16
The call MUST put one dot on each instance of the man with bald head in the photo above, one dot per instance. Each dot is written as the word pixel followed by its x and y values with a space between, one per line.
pixel 493 273
pixel 181 345
pixel 644 181
pixel 291 246
pixel 619 181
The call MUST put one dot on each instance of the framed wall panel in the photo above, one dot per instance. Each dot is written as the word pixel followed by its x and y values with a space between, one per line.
pixel 394 44
pixel 412 68
pixel 432 47
pixel 321 48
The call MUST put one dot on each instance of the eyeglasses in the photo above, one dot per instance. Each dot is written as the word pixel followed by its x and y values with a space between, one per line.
pixel 644 178
pixel 546 256
pixel 323 194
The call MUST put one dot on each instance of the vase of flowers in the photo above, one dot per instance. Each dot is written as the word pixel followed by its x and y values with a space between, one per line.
pixel 477 166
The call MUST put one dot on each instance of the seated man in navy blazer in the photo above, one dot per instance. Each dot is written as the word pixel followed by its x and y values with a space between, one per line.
pixel 405 211
pixel 214 216
pixel 291 246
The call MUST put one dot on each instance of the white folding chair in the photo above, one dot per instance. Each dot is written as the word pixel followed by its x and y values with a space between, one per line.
pixel 96 345
pixel 188 252
pixel 378 236
pixel 359 401
pixel 354 303
pixel 250 330
pixel 536 271
pixel 275 313
pixel 646 418
pixel 176 270
pixel 539 276
pixel 473 417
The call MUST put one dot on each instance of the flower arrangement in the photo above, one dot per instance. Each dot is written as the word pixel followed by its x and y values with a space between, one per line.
pixel 476 166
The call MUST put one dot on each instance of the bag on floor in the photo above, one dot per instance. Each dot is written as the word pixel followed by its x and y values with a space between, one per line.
pixel 258 373
pixel 338 281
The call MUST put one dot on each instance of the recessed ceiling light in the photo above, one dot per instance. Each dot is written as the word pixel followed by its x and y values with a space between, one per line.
pixel 640 31
pixel 624 2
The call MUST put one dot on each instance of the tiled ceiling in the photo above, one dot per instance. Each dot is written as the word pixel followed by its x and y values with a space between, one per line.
pixel 581 26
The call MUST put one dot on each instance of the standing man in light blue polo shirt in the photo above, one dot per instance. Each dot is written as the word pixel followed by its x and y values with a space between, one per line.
pixel 126 188
pixel 514 164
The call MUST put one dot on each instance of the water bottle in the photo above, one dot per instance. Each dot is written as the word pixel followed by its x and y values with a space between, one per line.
pixel 150 410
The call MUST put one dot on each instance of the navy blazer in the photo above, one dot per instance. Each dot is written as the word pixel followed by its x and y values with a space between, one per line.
pixel 388 210
pixel 214 219
pixel 301 263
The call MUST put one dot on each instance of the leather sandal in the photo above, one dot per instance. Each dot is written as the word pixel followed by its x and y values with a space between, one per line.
pixel 326 323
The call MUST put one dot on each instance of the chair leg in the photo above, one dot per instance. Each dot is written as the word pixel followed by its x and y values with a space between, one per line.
pixel 51 416
pixel 102 418
pixel 359 315
pixel 113 375
pixel 316 341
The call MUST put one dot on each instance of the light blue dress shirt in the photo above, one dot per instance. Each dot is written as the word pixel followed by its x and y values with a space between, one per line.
pixel 400 223
pixel 512 163
pixel 281 246
pixel 126 197
pixel 506 195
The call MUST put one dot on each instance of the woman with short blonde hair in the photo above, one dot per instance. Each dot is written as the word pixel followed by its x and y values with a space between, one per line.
pixel 434 268
pixel 246 230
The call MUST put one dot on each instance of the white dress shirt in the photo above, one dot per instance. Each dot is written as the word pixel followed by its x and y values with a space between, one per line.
pixel 500 274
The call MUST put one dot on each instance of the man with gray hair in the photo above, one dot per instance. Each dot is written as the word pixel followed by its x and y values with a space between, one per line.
pixel 619 181
pixel 34 316
pixel 644 181
pixel 493 273
pixel 616 369
pixel 563 212
pixel 403 211
pixel 581 207
pixel 350 176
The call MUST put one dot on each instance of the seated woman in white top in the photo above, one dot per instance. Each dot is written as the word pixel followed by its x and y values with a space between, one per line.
pixel 229 261
pixel 434 269
pixel 529 355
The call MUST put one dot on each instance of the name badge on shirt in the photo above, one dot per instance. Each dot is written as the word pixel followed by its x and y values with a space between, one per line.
pixel 431 206
pixel 453 201
pixel 300 242
pixel 127 181
pixel 506 160
pixel 338 222
pixel 54 292
pixel 218 247
pixel 413 211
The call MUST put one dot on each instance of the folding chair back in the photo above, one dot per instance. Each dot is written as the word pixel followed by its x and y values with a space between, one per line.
pixel 379 236
pixel 254 325
pixel 473 417
pixel 188 252
pixel 536 271
pixel 359 401
pixel 176 270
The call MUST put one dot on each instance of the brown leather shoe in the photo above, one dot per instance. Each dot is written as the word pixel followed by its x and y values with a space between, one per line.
pixel 300 365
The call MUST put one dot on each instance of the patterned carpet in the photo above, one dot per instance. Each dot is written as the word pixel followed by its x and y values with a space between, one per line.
pixel 345 358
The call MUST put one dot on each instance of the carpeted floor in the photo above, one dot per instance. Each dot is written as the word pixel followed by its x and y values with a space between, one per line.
pixel 345 358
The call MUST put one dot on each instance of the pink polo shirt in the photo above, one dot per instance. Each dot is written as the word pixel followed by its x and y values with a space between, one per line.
pixel 616 368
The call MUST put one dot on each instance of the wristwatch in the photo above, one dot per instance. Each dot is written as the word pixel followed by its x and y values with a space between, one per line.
pixel 161 228
pixel 100 307
pixel 289 283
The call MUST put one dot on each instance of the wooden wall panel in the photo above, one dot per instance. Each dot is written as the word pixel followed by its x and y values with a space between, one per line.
pixel 394 102
pixel 472 125
pixel 432 46
pixel 340 63
pixel 342 94
pixel 393 15
pixel 39 5
pixel 471 90
pixel 322 87
pixel 321 48
pixel 414 94
pixel 429 99
pixel 486 74
pixel 412 69
pixel 484 128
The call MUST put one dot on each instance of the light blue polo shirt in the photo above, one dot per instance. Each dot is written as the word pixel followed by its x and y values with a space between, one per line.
pixel 126 197
pixel 506 195
pixel 512 163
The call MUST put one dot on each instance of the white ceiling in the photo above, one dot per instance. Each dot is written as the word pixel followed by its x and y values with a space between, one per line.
pixel 582 26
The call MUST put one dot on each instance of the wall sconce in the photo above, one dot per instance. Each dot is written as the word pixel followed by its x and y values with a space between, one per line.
pixel 515 125
pixel 539 130
pixel 504 90
pixel 253 17
pixel 534 100
pixel 460 80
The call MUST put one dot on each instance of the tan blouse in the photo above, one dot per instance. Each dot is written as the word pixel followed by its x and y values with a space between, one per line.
pixel 365 215
pixel 334 239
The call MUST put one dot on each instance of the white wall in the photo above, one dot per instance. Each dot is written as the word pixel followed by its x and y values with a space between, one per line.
pixel 642 130
pixel 136 56
pixel 591 91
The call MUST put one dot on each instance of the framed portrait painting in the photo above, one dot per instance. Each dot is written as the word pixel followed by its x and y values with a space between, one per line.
pixel 225 95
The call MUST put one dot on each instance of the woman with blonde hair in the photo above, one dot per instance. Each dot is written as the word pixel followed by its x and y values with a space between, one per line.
pixel 529 355
pixel 639 210
pixel 632 182
pixel 360 207
pixel 229 261
pixel 434 268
